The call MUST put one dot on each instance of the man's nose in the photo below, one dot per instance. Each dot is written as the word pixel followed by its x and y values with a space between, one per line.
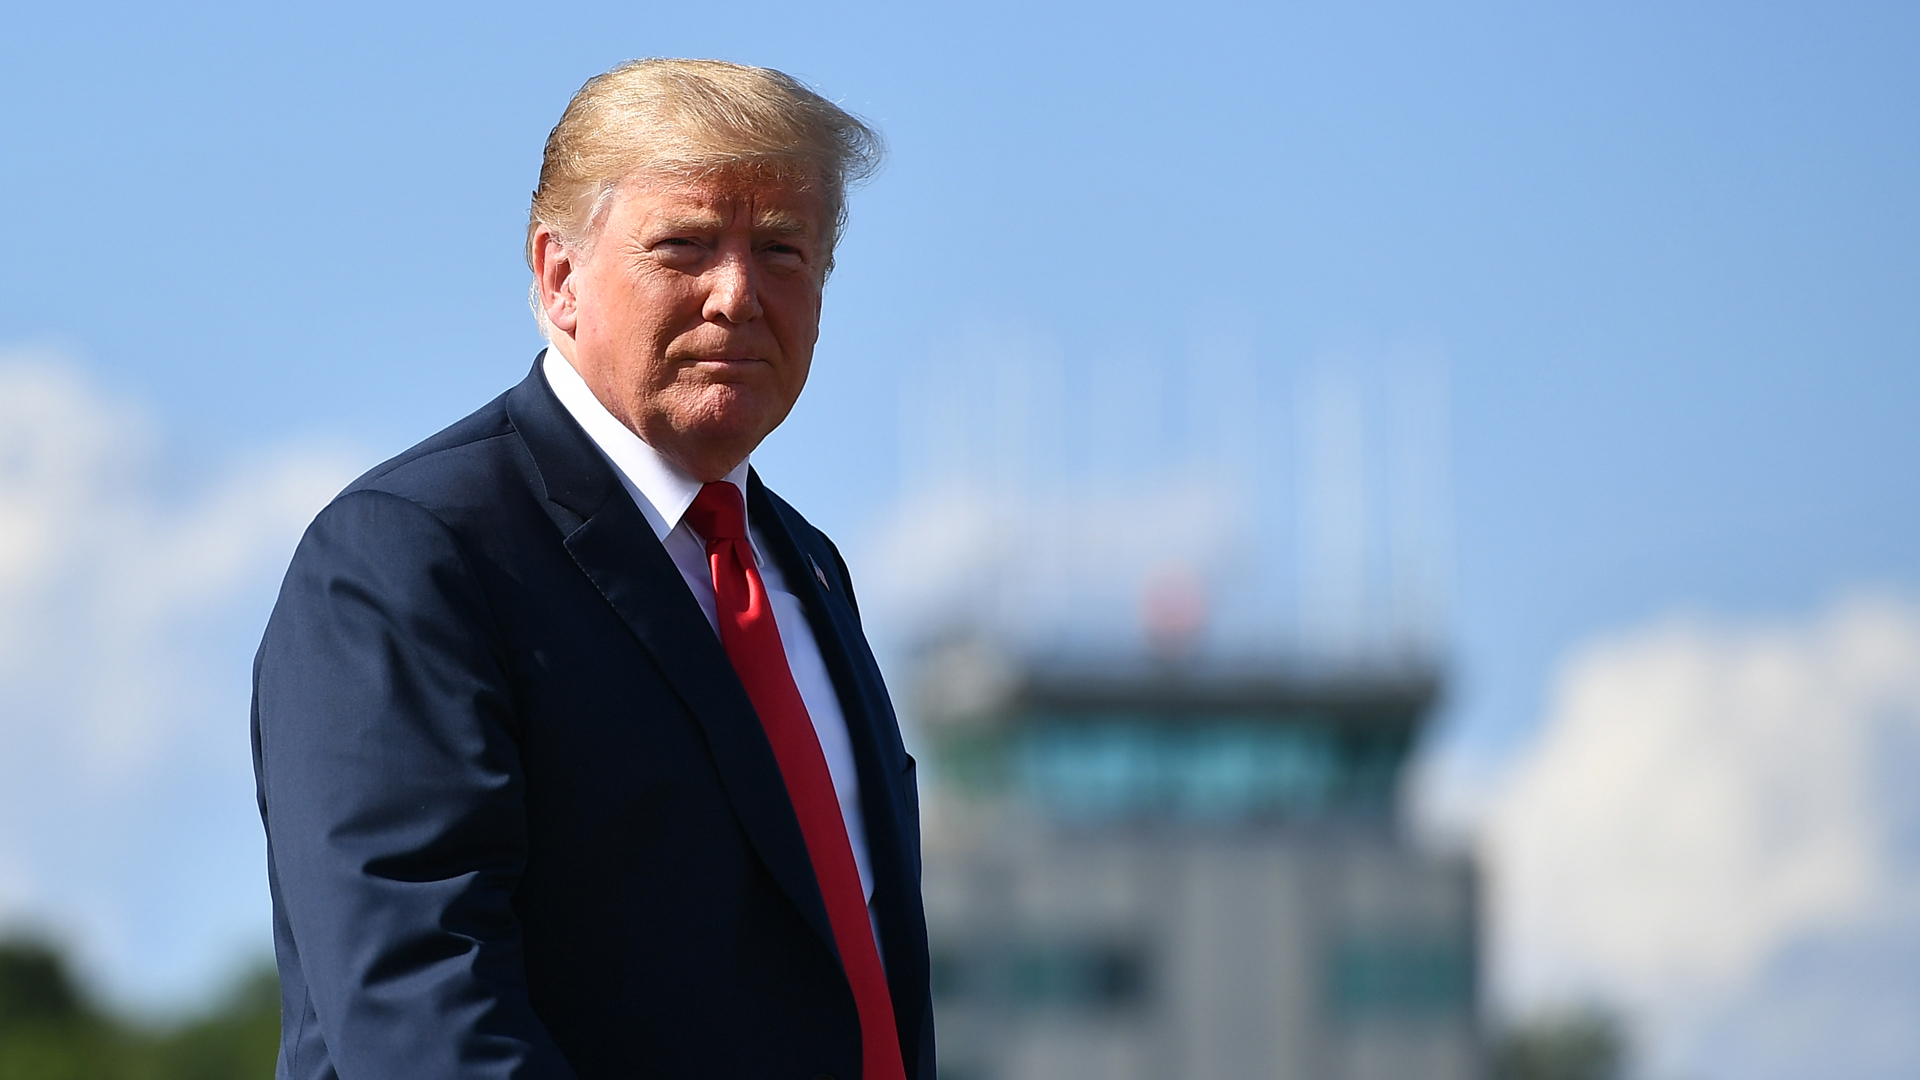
pixel 733 293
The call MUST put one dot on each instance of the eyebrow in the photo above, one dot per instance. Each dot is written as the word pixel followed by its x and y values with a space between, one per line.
pixel 688 222
pixel 777 222
pixel 780 223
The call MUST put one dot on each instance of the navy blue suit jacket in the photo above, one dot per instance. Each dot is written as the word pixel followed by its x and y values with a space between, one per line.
pixel 522 820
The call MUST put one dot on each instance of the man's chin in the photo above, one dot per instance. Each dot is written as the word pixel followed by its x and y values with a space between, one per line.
pixel 711 448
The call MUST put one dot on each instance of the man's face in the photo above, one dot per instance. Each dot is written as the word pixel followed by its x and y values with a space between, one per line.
pixel 694 318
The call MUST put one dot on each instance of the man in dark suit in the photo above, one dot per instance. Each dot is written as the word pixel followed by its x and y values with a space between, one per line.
pixel 572 756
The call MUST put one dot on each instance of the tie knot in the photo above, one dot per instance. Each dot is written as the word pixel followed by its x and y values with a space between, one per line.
pixel 718 512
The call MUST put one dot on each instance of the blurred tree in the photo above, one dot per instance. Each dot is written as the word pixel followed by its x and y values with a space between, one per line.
pixel 238 1039
pixel 49 1030
pixel 35 986
pixel 1585 1045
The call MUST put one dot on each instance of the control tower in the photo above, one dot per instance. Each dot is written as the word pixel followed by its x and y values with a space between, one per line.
pixel 1167 869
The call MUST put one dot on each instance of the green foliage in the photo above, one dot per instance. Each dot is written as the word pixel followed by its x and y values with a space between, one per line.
pixel 50 1031
pixel 1573 1046
pixel 35 987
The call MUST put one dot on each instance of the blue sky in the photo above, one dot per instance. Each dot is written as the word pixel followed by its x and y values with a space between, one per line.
pixel 1668 252
pixel 1671 253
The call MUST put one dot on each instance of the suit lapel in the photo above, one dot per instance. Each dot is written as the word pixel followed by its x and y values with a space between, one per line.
pixel 614 546
pixel 812 573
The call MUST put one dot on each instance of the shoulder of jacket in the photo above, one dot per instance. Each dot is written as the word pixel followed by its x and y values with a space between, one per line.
pixel 451 465
pixel 486 423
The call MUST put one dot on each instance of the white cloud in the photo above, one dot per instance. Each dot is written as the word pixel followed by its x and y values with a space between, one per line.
pixel 126 625
pixel 1135 501
pixel 1713 832
pixel 1073 564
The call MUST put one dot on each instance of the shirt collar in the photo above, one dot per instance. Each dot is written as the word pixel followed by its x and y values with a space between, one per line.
pixel 663 489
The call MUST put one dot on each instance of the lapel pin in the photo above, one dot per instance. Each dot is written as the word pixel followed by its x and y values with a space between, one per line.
pixel 819 573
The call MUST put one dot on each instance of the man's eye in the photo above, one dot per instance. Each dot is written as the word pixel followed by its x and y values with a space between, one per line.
pixel 678 250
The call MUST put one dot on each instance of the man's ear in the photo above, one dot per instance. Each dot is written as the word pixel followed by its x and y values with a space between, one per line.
pixel 554 265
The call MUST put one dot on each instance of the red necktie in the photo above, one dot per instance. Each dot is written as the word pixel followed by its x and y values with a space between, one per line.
pixel 752 641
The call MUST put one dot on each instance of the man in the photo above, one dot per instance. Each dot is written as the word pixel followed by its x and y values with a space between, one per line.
pixel 573 759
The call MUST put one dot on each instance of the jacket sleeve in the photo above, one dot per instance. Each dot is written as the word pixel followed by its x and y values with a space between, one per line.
pixel 392 791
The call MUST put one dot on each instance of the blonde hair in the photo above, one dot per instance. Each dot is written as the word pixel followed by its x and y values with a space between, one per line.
pixel 694 118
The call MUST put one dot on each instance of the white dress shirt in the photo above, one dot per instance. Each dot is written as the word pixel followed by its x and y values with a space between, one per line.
pixel 663 492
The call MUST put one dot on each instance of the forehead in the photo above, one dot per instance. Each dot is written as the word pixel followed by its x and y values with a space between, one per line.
pixel 782 203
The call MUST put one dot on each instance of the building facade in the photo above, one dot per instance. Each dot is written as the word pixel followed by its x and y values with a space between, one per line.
pixel 1162 869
